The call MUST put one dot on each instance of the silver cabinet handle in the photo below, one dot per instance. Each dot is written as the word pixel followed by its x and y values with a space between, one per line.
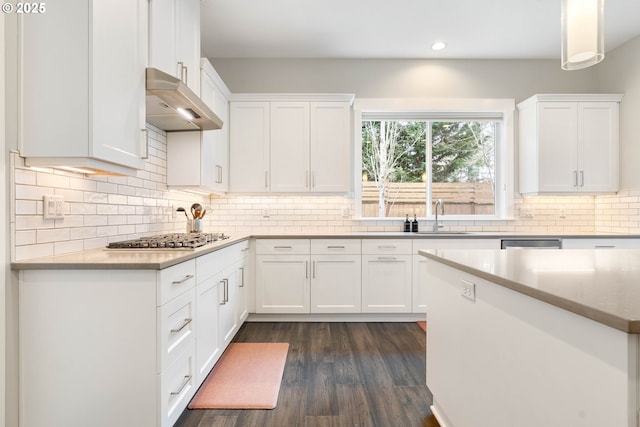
pixel 187 380
pixel 336 247
pixel 306 269
pixel 605 246
pixel 181 71
pixel 386 247
pixel 181 327
pixel 282 247
pixel 244 249
pixel 187 277
pixel 387 258
pixel 225 291
pixel 313 270
pixel 581 178
pixel 241 278
pixel 575 178
pixel 146 144
pixel 313 181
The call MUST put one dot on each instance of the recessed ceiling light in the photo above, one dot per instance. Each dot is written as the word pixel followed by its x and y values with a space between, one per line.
pixel 438 46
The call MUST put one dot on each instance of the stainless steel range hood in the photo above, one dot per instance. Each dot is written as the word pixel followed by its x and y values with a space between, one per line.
pixel 170 102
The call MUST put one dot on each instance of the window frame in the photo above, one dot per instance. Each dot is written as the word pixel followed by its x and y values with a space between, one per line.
pixel 432 109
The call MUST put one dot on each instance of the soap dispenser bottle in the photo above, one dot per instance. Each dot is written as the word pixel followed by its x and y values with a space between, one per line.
pixel 414 224
pixel 407 224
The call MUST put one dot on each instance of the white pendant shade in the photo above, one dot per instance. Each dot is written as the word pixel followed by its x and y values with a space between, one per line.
pixel 582 33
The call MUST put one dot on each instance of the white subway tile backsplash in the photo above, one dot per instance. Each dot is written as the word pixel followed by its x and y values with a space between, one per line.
pixel 101 209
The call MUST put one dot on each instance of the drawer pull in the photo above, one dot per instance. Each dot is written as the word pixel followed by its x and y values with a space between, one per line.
pixel 184 325
pixel 387 258
pixel 335 247
pixel 282 247
pixel 241 278
pixel 386 247
pixel 244 249
pixel 187 277
pixel 605 246
pixel 187 380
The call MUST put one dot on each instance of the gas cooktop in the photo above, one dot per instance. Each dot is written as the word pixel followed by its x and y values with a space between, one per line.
pixel 170 241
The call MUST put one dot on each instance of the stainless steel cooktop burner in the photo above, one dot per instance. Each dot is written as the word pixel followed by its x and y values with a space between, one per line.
pixel 170 241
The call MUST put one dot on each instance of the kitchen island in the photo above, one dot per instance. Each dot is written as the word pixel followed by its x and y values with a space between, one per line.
pixel 527 338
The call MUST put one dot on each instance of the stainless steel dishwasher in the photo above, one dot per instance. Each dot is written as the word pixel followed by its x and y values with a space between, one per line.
pixel 531 243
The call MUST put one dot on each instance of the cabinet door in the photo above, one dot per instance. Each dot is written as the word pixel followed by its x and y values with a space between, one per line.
pixel 386 283
pixel 601 243
pixel 162 36
pixel 336 284
pixel 331 159
pixel 598 146
pixel 249 146
pixel 188 42
pixel 227 296
pixel 242 298
pixel 557 149
pixel 118 90
pixel 208 348
pixel 419 284
pixel 290 147
pixel 282 284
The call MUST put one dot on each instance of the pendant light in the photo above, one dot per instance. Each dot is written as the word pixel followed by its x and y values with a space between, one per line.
pixel 582 33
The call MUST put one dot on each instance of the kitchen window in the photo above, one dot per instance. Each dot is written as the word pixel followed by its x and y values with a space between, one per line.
pixel 409 158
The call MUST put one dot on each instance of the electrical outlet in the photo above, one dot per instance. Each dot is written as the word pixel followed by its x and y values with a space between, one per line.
pixel 562 214
pixel 265 213
pixel 469 290
pixel 53 207
pixel 346 212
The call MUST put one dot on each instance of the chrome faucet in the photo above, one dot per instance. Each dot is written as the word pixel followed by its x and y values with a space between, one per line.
pixel 436 225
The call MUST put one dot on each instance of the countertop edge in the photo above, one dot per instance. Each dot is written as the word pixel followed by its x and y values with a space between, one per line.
pixel 608 319
pixel 177 258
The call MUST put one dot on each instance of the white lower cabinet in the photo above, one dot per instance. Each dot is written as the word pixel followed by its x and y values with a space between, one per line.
pixel 282 284
pixel 336 276
pixel 386 276
pixel 141 340
pixel 601 243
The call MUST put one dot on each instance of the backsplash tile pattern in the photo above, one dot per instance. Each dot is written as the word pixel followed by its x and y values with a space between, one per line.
pixel 99 210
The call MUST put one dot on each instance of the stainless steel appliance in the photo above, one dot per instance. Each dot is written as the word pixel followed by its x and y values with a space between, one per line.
pixel 174 241
pixel 531 243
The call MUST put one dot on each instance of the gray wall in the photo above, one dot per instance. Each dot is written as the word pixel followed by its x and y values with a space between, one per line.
pixel 517 79
pixel 620 73
pixel 371 78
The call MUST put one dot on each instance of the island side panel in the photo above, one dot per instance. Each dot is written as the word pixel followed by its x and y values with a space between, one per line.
pixel 507 359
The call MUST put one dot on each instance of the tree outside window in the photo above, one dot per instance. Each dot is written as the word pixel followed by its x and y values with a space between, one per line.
pixel 403 160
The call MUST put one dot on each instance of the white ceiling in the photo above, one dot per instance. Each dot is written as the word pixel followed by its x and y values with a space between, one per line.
pixel 494 29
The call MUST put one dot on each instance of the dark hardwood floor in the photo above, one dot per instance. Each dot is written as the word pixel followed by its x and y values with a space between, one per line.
pixel 338 375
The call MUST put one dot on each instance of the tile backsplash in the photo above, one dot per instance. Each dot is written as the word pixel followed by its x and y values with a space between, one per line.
pixel 99 210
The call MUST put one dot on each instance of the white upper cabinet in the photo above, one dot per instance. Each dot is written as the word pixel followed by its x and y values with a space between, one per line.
pixel 331 161
pixel 249 147
pixel 88 111
pixel 569 143
pixel 174 45
pixel 290 147
pixel 199 160
pixel 291 144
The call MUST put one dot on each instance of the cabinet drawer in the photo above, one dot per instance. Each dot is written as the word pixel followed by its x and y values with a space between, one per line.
pixel 335 246
pixel 211 264
pixel 283 246
pixel 176 328
pixel 386 246
pixel 175 280
pixel 177 387
pixel 238 251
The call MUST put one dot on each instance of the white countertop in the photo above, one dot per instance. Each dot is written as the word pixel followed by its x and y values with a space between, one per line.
pixel 600 284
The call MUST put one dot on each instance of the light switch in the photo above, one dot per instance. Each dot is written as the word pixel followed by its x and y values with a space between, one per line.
pixel 53 207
